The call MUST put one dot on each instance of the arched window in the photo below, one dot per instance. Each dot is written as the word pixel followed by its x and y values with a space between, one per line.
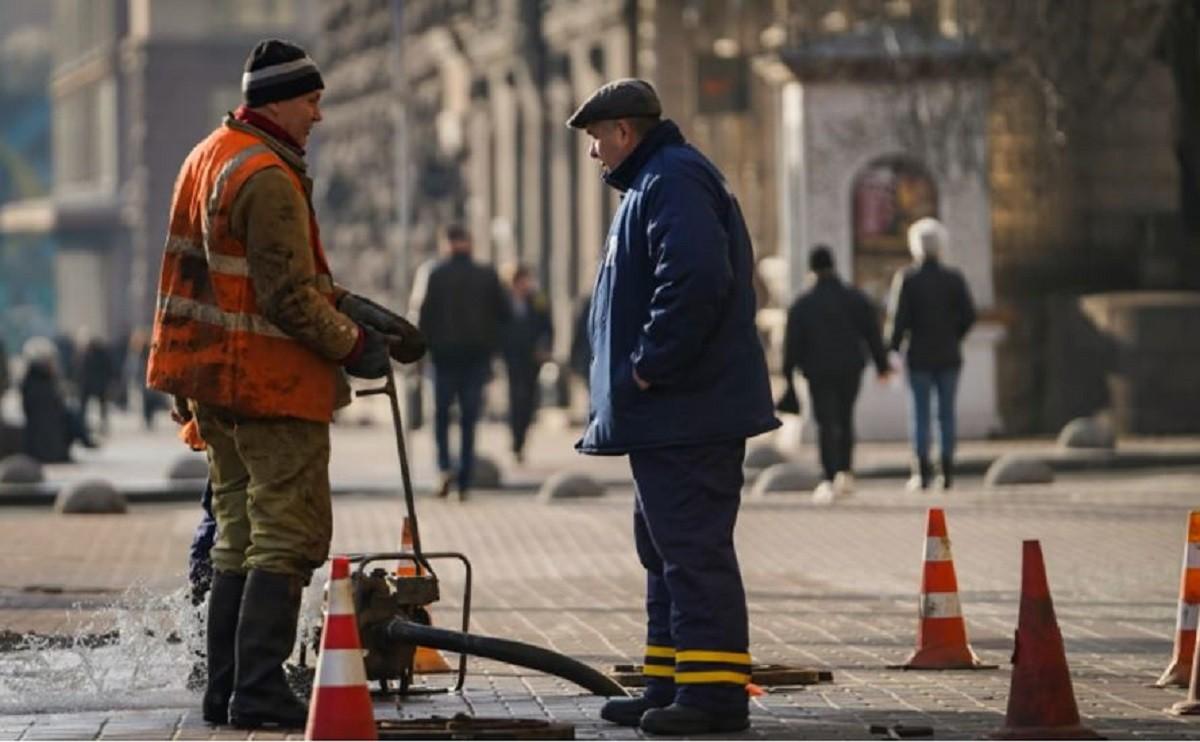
pixel 888 195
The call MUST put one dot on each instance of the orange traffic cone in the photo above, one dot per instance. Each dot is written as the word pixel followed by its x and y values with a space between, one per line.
pixel 941 633
pixel 340 707
pixel 1191 706
pixel 426 661
pixel 1180 669
pixel 1041 701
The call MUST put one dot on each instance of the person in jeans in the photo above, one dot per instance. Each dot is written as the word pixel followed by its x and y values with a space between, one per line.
pixel 462 314
pixel 831 328
pixel 931 309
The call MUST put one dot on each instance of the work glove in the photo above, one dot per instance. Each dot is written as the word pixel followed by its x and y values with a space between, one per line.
pixel 371 361
pixel 405 342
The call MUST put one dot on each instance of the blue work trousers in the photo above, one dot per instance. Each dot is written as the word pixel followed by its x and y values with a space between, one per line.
pixel 461 380
pixel 922 385
pixel 697 634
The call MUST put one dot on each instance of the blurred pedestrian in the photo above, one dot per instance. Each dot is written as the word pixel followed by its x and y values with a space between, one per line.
pixel 5 378
pixel 930 312
pixel 581 346
pixel 258 366
pixel 831 330
pixel 138 360
pixel 50 425
pixel 678 382
pixel 96 376
pixel 461 316
pixel 527 341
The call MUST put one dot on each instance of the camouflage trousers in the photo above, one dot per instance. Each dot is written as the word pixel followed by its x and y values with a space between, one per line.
pixel 270 479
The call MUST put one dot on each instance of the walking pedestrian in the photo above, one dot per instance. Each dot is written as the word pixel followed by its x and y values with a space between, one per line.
pixel 461 316
pixel 96 375
pixel 678 382
pixel 50 425
pixel 250 338
pixel 931 310
pixel 527 340
pixel 831 329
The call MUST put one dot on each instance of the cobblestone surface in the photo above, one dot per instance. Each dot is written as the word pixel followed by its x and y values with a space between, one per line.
pixel 830 587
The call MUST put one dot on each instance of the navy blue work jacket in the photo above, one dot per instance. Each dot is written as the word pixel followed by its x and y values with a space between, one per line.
pixel 674 299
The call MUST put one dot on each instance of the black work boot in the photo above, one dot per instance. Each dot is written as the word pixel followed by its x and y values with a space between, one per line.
pixel 628 711
pixel 224 605
pixel 687 720
pixel 947 473
pixel 266 634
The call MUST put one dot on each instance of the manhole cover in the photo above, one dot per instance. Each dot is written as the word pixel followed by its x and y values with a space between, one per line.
pixel 462 726
pixel 631 676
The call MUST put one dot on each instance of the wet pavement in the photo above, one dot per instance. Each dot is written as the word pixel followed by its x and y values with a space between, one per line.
pixel 828 587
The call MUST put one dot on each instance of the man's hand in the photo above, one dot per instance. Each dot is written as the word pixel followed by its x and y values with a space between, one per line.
pixel 371 361
pixel 405 342
pixel 642 383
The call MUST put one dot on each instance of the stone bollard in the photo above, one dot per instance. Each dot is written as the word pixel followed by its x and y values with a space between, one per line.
pixel 90 496
pixel 785 477
pixel 188 466
pixel 485 475
pixel 20 469
pixel 1018 468
pixel 568 485
pixel 1087 432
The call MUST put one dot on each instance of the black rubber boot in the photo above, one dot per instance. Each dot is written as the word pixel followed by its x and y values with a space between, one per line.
pixel 224 605
pixel 686 720
pixel 266 634
pixel 925 472
pixel 947 473
pixel 628 711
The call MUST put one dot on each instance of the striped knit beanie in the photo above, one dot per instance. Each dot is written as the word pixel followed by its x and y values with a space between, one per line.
pixel 278 70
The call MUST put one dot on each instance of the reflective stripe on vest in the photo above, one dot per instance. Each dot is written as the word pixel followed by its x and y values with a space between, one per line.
pixel 211 343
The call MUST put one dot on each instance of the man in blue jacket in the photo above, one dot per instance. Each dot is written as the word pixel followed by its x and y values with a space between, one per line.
pixel 678 382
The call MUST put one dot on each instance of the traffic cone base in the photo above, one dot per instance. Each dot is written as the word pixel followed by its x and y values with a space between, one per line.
pixel 1179 670
pixel 941 632
pixel 1041 701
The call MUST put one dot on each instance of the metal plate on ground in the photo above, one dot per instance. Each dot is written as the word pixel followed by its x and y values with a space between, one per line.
pixel 631 676
pixel 462 726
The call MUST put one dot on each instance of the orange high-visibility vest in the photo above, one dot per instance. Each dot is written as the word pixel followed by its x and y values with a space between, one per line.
pixel 210 343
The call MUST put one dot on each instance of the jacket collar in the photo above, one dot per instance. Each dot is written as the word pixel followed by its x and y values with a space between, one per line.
pixel 665 133
pixel 293 158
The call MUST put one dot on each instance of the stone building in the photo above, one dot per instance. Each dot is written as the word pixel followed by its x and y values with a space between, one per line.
pixel 445 110
pixel 134 85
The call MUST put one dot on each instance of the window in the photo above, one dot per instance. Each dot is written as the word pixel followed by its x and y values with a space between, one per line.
pixel 85 137
pixel 888 196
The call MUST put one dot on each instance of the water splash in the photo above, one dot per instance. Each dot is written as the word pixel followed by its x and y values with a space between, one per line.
pixel 137 652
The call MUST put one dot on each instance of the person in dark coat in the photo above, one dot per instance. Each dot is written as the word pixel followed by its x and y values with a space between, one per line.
pixel 581 347
pixel 930 311
pixel 50 426
pixel 96 373
pixel 678 383
pixel 831 329
pixel 527 339
pixel 461 315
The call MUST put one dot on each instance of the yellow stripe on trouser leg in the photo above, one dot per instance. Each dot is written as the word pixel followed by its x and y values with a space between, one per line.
pixel 270 492
pixel 653 651
pixel 712 676
pixel 704 655
pixel 658 671
pixel 659 662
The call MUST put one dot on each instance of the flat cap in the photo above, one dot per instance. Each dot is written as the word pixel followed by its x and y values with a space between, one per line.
pixel 619 99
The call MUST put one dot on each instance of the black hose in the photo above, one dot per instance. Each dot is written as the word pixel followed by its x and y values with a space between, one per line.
pixel 504 650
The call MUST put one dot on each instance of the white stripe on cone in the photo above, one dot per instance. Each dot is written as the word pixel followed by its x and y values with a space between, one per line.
pixel 1191 556
pixel 340 668
pixel 340 602
pixel 937 549
pixel 940 605
pixel 1186 620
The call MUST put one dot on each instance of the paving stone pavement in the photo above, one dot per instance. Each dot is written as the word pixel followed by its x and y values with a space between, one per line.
pixel 831 587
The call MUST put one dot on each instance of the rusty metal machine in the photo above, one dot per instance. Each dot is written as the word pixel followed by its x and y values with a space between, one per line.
pixel 392 616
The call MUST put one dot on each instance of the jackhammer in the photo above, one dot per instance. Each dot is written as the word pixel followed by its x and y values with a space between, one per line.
pixel 391 609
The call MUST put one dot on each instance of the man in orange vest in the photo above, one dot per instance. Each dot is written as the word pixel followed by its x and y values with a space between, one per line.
pixel 250 337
